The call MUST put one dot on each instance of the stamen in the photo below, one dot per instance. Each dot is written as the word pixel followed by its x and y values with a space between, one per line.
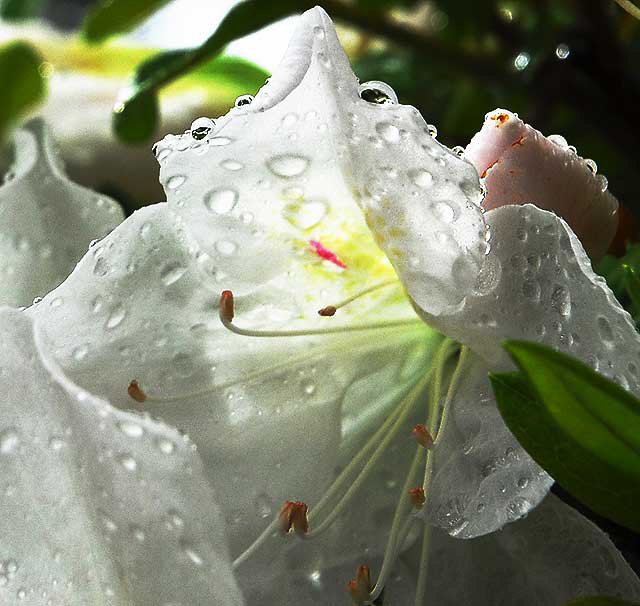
pixel 294 515
pixel 330 310
pixel 227 312
pixel 422 436
pixel 360 587
pixel 417 497
pixel 135 391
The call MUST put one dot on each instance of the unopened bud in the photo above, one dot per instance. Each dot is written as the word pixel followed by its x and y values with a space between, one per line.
pixel 422 436
pixel 136 392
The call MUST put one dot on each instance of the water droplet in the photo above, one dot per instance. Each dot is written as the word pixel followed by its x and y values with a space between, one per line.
pixel 9 440
pixel 591 165
pixel 443 211
pixel 163 154
pixel 561 300
pixel 458 150
pixel 389 132
pixel 305 215
pixel 80 352
pixel 562 51
pixel 421 177
pixel 558 140
pixel 226 247
pixel 432 130
pixel 175 181
pixel 191 553
pixel 243 100
pixel 165 445
pixel 118 312
pixel 232 165
pixel 171 273
pixel 128 462
pixel 201 127
pixel 523 483
pixel 605 330
pixel 56 443
pixel 309 387
pixel 378 93
pixel 288 165
pixel 109 525
pixel 603 182
pixel 518 508
pixel 131 429
pixel 531 289
pixel 36 300
pixel 318 32
pixel 221 201
pixel 219 141
pixel 521 61
pixel 21 593
pixel 145 230
pixel 101 268
pixel 137 533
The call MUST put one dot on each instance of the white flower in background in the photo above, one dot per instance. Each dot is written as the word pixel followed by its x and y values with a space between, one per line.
pixel 267 202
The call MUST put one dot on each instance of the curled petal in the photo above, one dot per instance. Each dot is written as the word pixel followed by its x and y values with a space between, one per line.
pixel 46 221
pixel 520 166
pixel 113 506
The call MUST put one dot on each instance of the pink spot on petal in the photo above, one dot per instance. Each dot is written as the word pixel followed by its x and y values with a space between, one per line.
pixel 326 254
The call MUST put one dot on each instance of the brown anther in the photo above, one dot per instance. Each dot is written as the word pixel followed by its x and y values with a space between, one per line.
pixel 226 305
pixel 360 587
pixel 422 436
pixel 294 515
pixel 329 310
pixel 501 118
pixel 417 497
pixel 135 391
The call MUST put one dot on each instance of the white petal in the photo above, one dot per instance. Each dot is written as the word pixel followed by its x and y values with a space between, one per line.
pixel 46 221
pixel 551 556
pixel 99 506
pixel 483 478
pixel 268 415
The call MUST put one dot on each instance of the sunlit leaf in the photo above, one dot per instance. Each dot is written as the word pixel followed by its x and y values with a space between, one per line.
pixel 110 17
pixel 243 19
pixel 23 85
pixel 579 426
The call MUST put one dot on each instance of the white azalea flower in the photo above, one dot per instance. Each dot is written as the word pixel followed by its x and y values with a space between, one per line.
pixel 267 202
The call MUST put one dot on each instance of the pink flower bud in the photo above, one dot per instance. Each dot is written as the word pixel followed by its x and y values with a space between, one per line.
pixel 520 166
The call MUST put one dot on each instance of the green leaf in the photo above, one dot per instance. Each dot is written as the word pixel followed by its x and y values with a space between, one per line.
pixel 160 70
pixel 23 84
pixel 138 123
pixel 579 426
pixel 16 10
pixel 111 17
pixel 600 601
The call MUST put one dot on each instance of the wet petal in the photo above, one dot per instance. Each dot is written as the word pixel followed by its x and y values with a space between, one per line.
pixel 137 306
pixel 97 509
pixel 483 478
pixel 551 556
pixel 521 166
pixel 47 222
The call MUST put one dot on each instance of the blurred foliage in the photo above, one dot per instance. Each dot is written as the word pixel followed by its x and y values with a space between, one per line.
pixel 19 64
pixel 17 10
pixel 600 601
pixel 110 17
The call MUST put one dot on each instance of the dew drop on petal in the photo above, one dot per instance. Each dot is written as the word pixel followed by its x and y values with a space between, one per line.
pixel 221 201
pixel 559 140
pixel 561 300
pixel 226 247
pixel 118 312
pixel 288 165
pixel 128 462
pixel 421 177
pixel 443 211
pixel 130 429
pixel 9 440
pixel 389 132
pixel 201 127
pixel 171 273
pixel 305 215
pixel 175 181
pixel 232 165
